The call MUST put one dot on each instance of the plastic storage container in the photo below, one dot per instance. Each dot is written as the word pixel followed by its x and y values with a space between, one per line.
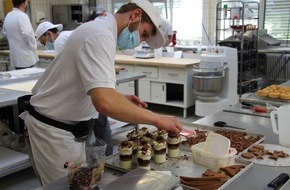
pixel 212 161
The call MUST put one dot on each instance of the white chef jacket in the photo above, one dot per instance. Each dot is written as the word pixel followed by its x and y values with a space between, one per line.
pixel 86 61
pixel 61 40
pixel 22 43
pixel 166 28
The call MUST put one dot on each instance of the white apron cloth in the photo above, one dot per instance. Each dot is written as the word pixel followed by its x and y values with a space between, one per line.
pixel 47 140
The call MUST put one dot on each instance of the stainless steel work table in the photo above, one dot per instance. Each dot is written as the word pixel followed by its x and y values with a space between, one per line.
pixel 259 175
pixel 11 90
pixel 9 96
pixel 255 178
pixel 238 108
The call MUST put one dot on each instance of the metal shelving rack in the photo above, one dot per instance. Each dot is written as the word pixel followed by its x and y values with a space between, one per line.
pixel 237 26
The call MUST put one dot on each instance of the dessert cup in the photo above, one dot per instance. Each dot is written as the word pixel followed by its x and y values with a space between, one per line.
pixel 173 143
pixel 125 154
pixel 144 157
pixel 159 146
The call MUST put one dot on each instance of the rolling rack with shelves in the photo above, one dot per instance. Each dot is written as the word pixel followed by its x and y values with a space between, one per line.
pixel 237 27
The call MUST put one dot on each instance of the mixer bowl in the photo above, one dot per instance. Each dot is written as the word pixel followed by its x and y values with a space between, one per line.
pixel 207 82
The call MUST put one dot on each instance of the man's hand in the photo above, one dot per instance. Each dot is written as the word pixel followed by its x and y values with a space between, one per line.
pixel 135 100
pixel 118 69
pixel 169 123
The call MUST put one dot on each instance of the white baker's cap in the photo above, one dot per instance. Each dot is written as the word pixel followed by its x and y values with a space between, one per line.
pixel 157 40
pixel 45 26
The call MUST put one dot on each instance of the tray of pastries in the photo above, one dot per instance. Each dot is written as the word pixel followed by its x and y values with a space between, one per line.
pixel 158 150
pixel 274 94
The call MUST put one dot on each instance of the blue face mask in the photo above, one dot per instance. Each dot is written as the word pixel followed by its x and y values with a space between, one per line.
pixel 129 40
pixel 49 45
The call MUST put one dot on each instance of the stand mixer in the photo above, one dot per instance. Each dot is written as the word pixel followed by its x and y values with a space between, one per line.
pixel 215 80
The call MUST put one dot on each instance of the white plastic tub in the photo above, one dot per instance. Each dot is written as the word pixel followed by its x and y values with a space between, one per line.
pixel 210 160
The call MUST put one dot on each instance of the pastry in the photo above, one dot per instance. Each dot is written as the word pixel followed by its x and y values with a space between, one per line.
pixel 161 133
pixel 143 131
pixel 135 142
pixel 274 94
pixel 125 154
pixel 248 155
pixel 159 146
pixel 285 95
pixel 263 93
pixel 148 137
pixel 173 142
pixel 133 133
pixel 258 146
pixel 144 156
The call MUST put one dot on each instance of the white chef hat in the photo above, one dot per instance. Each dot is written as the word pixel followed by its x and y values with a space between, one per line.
pixel 45 26
pixel 157 40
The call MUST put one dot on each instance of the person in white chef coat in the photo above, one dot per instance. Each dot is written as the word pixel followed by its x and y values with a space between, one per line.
pixel 19 32
pixel 166 29
pixel 52 34
pixel 82 79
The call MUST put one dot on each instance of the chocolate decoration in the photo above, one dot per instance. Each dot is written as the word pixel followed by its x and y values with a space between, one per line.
pixel 125 157
pixel 162 151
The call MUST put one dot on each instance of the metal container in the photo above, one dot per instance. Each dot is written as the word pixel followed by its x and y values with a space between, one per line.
pixel 207 81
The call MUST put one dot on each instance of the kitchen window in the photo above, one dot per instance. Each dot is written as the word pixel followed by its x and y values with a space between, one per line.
pixel 277 19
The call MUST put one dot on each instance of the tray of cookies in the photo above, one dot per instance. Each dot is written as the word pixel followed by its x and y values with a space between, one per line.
pixel 240 140
pixel 268 154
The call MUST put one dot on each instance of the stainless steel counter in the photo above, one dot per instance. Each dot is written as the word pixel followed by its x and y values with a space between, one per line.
pixel 256 177
pixel 252 123
pixel 8 97
pixel 259 175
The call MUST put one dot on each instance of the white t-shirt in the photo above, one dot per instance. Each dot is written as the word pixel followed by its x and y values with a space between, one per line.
pixel 22 43
pixel 87 61
pixel 61 40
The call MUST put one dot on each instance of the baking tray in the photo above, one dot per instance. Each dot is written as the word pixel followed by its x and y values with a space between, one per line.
pixel 193 126
pixel 182 166
pixel 253 98
pixel 142 179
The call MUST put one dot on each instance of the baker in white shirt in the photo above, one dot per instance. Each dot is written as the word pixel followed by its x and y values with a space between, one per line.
pixel 166 29
pixel 19 32
pixel 81 80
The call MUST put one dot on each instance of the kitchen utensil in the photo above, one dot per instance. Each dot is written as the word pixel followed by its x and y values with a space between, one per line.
pixel 281 125
pixel 224 124
pixel 217 144
pixel 278 181
pixel 254 107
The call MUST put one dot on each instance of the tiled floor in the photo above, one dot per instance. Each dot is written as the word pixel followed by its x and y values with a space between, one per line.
pixel 26 179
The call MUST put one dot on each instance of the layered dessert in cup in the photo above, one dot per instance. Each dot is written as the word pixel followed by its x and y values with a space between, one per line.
pixel 148 137
pixel 143 131
pixel 162 133
pixel 144 156
pixel 143 143
pixel 132 134
pixel 173 142
pixel 135 142
pixel 159 146
pixel 125 154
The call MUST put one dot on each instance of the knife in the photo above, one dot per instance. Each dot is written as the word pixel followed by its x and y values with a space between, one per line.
pixel 255 108
pixel 277 182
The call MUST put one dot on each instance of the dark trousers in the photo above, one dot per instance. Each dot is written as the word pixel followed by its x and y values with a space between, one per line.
pixel 103 131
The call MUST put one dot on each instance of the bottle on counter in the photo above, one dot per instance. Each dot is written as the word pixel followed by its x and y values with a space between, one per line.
pixel 174 38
